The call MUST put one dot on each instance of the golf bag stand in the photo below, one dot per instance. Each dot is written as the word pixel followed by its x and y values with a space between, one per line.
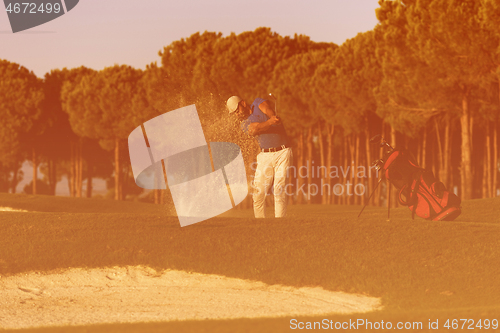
pixel 378 165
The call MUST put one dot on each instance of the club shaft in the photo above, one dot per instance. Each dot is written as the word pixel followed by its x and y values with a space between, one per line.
pixel 371 195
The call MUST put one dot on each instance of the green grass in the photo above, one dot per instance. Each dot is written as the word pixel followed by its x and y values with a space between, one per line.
pixel 422 270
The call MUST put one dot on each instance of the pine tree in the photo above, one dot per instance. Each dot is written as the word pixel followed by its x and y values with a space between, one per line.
pixel 21 95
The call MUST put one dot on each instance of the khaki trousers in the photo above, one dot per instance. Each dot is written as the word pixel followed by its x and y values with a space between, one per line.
pixel 271 168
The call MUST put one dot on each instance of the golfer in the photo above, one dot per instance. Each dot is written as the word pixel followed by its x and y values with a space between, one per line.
pixel 259 120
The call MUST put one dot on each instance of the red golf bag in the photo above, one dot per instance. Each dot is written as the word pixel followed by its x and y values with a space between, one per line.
pixel 424 195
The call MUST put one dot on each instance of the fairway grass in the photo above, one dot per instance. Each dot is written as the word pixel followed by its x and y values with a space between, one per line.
pixel 420 269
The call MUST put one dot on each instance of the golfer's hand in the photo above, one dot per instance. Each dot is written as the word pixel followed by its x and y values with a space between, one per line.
pixel 274 120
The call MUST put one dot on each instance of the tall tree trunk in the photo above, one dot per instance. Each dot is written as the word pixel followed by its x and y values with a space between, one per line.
pixel 89 180
pixel 341 164
pixel 352 163
pixel 54 177
pixel 495 144
pixel 394 202
pixel 122 180
pixel 451 177
pixel 309 164
pixel 15 180
pixel 424 148
pixel 393 137
pixel 72 169
pixel 79 169
pixel 378 195
pixel 444 175
pixel 125 184
pixel 434 156
pixel 330 129
pixel 488 163
pixel 369 173
pixel 51 176
pixel 419 152
pixel 35 169
pixel 466 149
pixel 117 169
pixel 345 198
pixel 300 163
pixel 356 181
pixel 349 164
pixel 484 179
pixel 322 175
pixel 495 160
pixel 440 157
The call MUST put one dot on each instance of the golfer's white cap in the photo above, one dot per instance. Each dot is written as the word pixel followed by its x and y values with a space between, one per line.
pixel 232 103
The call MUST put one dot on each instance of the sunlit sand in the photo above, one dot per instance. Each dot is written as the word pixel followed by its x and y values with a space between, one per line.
pixel 137 294
pixel 9 209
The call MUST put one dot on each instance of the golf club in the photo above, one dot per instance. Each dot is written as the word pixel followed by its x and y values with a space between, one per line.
pixel 368 201
pixel 275 104
pixel 378 139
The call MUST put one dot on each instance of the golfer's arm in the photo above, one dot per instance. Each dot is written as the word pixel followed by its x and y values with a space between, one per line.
pixel 267 109
pixel 257 128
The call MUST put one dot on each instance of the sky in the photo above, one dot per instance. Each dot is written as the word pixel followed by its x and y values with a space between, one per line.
pixel 102 33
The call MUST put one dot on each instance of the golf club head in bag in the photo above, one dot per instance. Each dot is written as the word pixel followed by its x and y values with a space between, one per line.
pixel 379 140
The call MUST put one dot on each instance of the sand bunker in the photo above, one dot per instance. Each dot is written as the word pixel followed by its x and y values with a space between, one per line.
pixel 139 294
pixel 9 209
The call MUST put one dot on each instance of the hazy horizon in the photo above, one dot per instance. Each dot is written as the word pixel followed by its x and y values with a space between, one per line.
pixel 99 34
